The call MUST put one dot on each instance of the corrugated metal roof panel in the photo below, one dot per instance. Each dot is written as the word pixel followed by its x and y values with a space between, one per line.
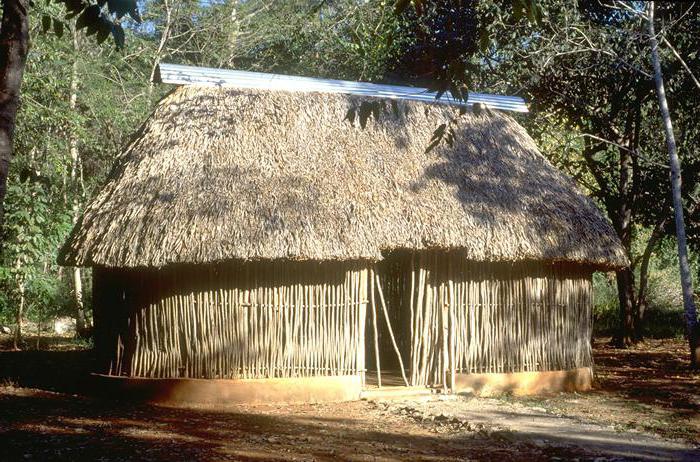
pixel 191 75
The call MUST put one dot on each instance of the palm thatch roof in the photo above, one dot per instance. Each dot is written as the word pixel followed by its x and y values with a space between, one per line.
pixel 220 174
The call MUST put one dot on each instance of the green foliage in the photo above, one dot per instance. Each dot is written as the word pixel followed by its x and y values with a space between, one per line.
pixel 605 310
pixel 101 18
pixel 48 297
pixel 664 317
pixel 444 37
pixel 664 314
pixel 45 187
pixel 517 46
pixel 344 39
pixel 32 231
pixel 586 70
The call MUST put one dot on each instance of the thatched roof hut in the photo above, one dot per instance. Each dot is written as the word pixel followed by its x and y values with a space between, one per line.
pixel 246 233
pixel 220 174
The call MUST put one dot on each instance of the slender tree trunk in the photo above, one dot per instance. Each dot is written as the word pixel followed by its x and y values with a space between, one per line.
pixel 20 315
pixel 80 323
pixel 625 293
pixel 625 278
pixel 233 36
pixel 165 35
pixel 652 242
pixel 20 307
pixel 14 43
pixel 686 279
pixel 641 301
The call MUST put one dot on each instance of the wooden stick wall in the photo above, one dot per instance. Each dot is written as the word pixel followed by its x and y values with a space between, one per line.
pixel 470 317
pixel 292 319
pixel 245 321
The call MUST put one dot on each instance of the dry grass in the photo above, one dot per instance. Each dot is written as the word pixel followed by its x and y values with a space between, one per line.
pixel 220 174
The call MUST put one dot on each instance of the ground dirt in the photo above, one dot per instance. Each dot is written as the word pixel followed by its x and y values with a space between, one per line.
pixel 646 406
pixel 648 387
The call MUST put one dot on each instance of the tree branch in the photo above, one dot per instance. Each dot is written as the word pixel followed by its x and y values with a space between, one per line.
pixel 682 61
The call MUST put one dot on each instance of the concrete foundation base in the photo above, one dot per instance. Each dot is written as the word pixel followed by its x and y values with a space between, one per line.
pixel 221 392
pixel 525 383
pixel 394 392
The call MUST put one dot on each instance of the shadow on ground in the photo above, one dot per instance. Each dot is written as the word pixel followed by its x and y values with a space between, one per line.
pixel 66 371
pixel 654 372
pixel 46 413
pixel 48 426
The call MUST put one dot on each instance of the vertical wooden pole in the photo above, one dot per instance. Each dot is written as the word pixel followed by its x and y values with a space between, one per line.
pixel 444 352
pixel 411 308
pixel 374 326
pixel 391 331
pixel 362 323
pixel 451 319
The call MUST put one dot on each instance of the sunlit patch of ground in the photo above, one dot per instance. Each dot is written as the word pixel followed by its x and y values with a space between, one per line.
pixel 44 416
pixel 648 387
pixel 62 427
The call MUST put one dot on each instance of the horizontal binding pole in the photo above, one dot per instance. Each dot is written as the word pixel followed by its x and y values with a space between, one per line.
pixel 191 75
pixel 288 306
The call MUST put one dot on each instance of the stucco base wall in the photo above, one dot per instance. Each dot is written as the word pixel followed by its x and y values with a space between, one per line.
pixel 525 383
pixel 221 392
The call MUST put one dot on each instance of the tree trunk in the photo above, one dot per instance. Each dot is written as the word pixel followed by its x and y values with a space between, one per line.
pixel 80 324
pixel 625 335
pixel 625 293
pixel 641 302
pixel 20 315
pixel 640 305
pixel 165 35
pixel 686 280
pixel 20 307
pixel 14 43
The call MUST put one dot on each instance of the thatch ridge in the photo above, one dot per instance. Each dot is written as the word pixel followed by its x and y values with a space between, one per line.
pixel 221 174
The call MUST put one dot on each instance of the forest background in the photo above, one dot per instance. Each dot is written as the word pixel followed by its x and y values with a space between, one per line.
pixel 585 69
